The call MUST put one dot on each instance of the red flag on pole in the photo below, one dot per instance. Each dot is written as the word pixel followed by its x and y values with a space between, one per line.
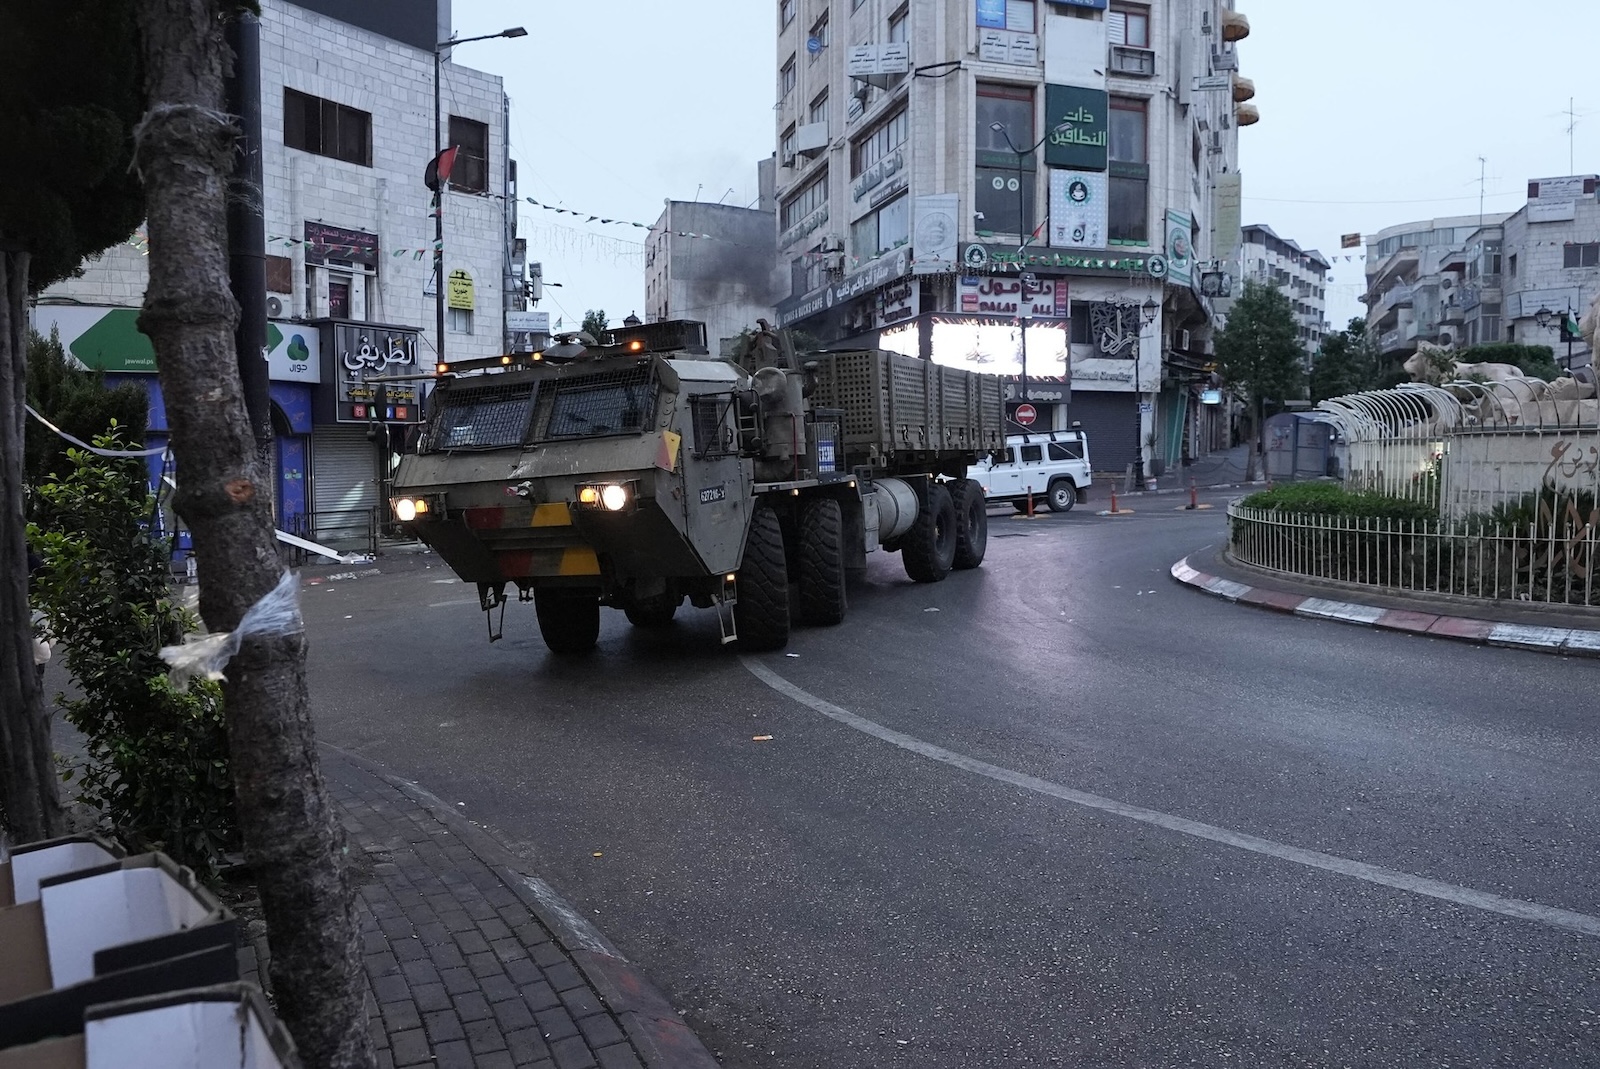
pixel 438 172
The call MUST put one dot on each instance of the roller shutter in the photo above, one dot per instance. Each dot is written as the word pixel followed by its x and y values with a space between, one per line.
pixel 344 492
pixel 1108 419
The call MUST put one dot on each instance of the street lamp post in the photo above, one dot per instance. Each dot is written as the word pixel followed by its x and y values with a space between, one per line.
pixel 439 182
pixel 1148 311
pixel 1027 278
pixel 1543 317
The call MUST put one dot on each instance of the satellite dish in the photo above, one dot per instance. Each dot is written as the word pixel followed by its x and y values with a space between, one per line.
pixel 813 45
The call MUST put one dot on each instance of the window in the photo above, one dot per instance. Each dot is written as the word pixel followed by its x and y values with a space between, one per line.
pixel 1031 454
pixel 459 320
pixel 898 22
pixel 470 174
pixel 1065 450
pixel 786 80
pixel 819 108
pixel 1017 15
pixel 883 139
pixel 819 34
pixel 1581 255
pixel 312 124
pixel 887 228
pixel 786 149
pixel 1128 25
pixel 1511 264
pixel 1129 172
pixel 813 195
pixel 1081 331
pixel 785 13
pixel 1003 184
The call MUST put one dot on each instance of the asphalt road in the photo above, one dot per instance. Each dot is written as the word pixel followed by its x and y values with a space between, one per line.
pixel 1055 811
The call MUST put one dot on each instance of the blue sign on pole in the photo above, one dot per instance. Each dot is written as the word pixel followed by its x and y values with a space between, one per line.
pixel 813 45
pixel 992 14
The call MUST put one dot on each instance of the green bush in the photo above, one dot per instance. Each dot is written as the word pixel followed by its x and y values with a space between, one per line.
pixel 1331 499
pixel 157 768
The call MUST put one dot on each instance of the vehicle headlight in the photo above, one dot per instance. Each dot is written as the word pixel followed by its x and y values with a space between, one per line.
pixel 614 497
pixel 405 510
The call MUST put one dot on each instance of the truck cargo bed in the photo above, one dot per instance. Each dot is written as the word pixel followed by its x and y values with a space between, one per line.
pixel 894 404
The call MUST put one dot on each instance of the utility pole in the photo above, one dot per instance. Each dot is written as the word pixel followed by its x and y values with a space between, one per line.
pixel 247 238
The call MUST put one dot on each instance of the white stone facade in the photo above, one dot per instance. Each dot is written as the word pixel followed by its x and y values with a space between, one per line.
pixel 1302 275
pixel 393 82
pixel 850 251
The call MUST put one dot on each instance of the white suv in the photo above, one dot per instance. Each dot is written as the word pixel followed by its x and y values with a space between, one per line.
pixel 1052 465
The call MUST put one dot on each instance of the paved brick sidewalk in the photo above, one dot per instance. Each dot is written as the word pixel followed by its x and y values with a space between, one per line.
pixel 475 963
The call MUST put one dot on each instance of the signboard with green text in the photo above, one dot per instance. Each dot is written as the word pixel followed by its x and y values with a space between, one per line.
pixel 1077 120
pixel 108 339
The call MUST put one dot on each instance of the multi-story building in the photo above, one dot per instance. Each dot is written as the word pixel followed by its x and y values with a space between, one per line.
pixel 1302 275
pixel 714 262
pixel 1551 265
pixel 347 101
pixel 1471 280
pixel 1415 275
pixel 1045 190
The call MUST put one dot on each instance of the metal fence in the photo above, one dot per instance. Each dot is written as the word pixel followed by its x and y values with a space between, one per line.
pixel 1552 558
pixel 1469 447
pixel 353 530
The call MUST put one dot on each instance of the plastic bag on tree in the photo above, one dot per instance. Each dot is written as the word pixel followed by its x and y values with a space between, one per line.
pixel 277 613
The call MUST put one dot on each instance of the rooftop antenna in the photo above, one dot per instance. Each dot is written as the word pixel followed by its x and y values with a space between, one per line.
pixel 1481 178
pixel 1572 125
pixel 698 186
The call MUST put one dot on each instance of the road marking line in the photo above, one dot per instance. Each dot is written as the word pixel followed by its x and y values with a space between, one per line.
pixel 1359 870
pixel 450 604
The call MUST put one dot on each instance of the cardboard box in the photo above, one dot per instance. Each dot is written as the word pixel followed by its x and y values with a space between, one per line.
pixel 20 875
pixel 135 927
pixel 228 1026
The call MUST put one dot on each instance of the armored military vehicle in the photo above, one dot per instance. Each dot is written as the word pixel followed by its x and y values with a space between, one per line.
pixel 641 472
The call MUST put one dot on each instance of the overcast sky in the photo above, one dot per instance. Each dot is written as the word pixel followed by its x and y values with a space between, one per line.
pixel 1373 112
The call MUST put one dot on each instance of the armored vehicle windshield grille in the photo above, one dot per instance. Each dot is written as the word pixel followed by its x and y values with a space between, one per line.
pixel 591 406
pixel 480 417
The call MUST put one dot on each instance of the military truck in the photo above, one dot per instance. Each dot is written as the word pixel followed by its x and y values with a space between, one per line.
pixel 638 471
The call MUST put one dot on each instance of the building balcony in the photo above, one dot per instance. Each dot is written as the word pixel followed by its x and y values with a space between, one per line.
pixel 1246 114
pixel 1243 89
pixel 1235 26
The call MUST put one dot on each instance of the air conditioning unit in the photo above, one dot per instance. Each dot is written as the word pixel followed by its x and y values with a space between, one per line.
pixel 277 305
pixel 788 159
pixel 1205 23
pixel 1140 62
pixel 833 261
pixel 1224 59
pixel 832 243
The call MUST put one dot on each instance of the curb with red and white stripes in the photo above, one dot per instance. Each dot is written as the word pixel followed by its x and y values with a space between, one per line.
pixel 1571 641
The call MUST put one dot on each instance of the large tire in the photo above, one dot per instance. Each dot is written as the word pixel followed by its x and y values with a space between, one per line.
pixel 569 620
pixel 653 613
pixel 1062 496
pixel 928 550
pixel 822 578
pixel 761 613
pixel 972 523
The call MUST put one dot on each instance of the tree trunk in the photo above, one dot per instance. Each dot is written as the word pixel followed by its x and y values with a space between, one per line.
pixel 293 839
pixel 30 794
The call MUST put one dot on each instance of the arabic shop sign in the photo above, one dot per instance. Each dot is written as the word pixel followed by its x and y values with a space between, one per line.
pixel 356 358
pixel 1083 115
pixel 1044 298
pixel 876 174
pixel 996 258
pixel 879 272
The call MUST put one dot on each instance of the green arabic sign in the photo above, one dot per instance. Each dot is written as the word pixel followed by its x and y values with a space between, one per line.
pixel 1077 120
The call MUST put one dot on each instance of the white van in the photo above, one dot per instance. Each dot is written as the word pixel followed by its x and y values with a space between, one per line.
pixel 1051 465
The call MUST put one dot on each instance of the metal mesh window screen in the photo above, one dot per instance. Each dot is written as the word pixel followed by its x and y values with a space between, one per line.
pixel 610 402
pixel 480 417
pixel 714 434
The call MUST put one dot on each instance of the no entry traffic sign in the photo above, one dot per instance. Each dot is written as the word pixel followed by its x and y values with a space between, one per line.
pixel 1025 415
